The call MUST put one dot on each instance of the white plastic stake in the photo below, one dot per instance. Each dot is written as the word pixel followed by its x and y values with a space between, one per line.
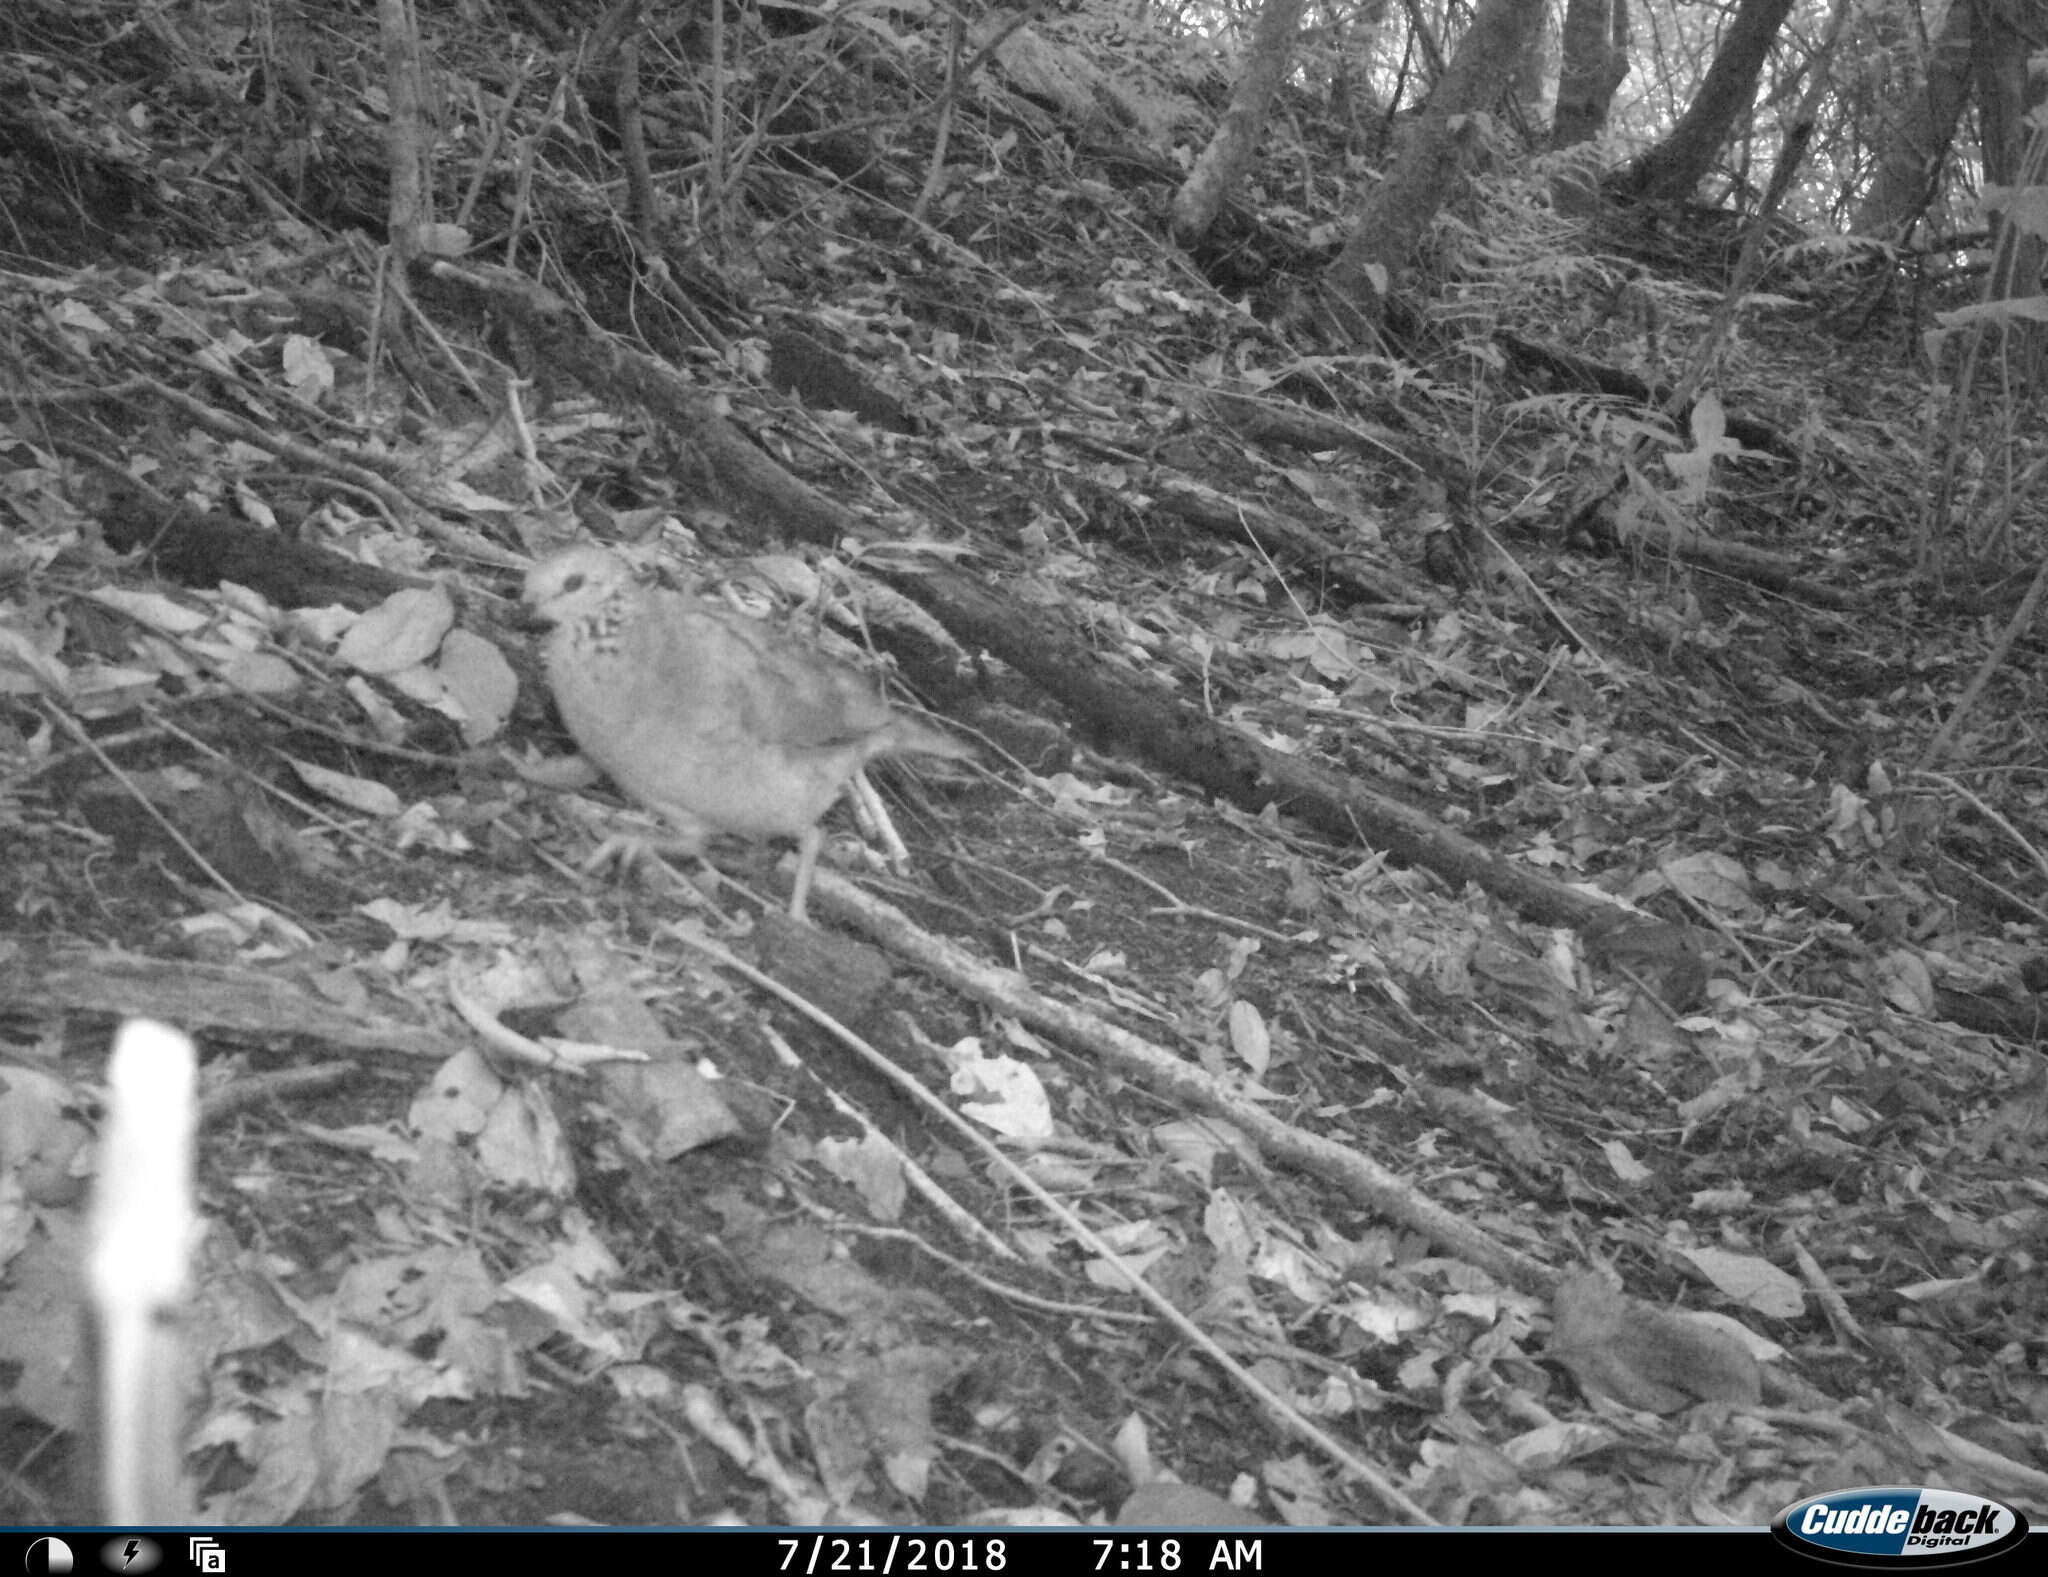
pixel 145 1225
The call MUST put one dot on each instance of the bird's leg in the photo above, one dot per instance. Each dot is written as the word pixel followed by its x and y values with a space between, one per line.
pixel 807 848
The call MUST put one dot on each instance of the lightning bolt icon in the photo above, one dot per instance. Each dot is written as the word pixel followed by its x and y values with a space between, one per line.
pixel 134 1548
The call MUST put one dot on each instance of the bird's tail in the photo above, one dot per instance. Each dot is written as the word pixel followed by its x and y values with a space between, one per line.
pixel 906 736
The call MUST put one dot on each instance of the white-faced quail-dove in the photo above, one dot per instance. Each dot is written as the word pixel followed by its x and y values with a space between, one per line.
pixel 719 722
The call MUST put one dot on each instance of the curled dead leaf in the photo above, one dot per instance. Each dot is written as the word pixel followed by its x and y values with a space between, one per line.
pixel 1622 1349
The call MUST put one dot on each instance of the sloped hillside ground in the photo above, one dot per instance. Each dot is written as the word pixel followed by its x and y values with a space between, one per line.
pixel 1600 1143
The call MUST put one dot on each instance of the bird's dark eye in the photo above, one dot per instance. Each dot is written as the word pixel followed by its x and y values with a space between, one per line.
pixel 573 583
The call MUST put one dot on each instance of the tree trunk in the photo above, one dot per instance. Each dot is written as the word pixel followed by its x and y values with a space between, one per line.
pixel 1533 74
pixel 1676 166
pixel 1389 223
pixel 1595 62
pixel 2002 35
pixel 1916 142
pixel 1229 153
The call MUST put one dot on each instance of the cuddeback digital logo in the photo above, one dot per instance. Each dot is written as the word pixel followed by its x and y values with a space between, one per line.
pixel 1893 1526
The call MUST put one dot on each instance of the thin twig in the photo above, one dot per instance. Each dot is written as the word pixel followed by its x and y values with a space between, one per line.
pixel 1954 787
pixel 106 762
pixel 1178 908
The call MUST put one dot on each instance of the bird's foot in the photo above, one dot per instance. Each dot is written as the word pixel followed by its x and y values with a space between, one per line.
pixel 623 854
pixel 561 773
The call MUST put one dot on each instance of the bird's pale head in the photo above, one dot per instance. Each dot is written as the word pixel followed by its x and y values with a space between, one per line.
pixel 574 584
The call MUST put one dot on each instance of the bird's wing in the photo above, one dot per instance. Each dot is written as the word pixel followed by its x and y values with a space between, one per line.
pixel 774 689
